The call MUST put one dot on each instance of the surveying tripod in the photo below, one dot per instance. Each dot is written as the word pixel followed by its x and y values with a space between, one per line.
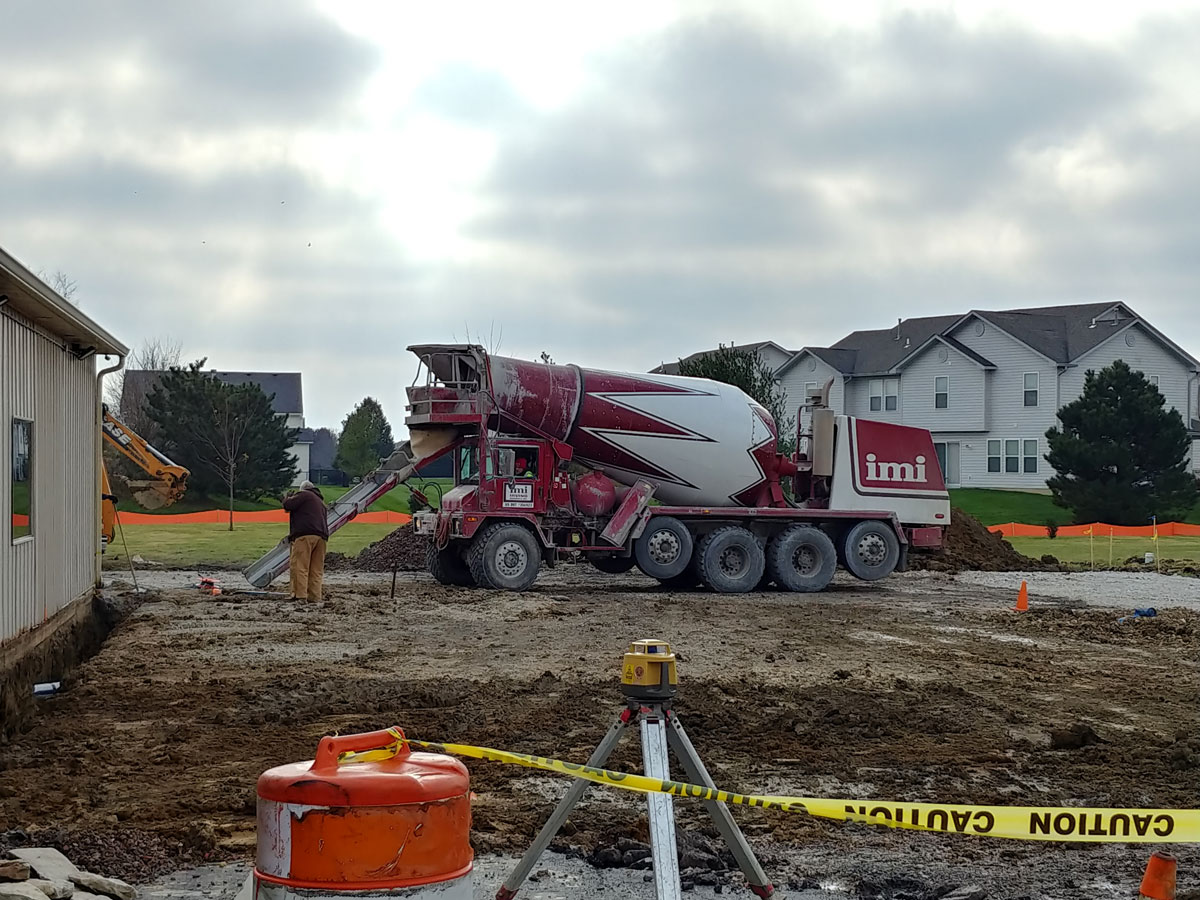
pixel 648 682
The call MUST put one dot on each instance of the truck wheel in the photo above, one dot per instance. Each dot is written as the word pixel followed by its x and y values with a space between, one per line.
pixel 613 565
pixel 664 549
pixel 802 558
pixel 505 557
pixel 448 567
pixel 730 560
pixel 872 550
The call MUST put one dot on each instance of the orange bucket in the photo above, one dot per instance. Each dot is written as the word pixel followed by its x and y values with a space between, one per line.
pixel 390 824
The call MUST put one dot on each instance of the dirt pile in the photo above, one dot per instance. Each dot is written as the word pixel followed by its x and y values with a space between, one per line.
pixel 970 546
pixel 403 550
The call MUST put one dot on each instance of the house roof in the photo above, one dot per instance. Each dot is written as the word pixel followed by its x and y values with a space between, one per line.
pixel 1061 333
pixel 286 386
pixel 672 368
pixel 33 299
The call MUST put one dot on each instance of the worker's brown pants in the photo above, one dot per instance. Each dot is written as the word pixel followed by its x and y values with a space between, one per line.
pixel 308 567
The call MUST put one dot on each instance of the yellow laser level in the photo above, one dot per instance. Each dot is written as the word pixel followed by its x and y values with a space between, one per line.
pixel 648 671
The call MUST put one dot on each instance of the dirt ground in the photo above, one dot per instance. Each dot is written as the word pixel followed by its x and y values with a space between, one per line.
pixel 919 688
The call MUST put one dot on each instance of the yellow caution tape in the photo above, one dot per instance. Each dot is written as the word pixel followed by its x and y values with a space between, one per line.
pixel 1026 823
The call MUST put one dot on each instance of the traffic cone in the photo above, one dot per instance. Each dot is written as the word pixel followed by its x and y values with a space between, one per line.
pixel 1023 598
pixel 1159 881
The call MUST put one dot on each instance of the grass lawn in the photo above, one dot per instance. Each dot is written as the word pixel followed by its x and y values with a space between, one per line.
pixel 1076 550
pixel 998 507
pixel 215 545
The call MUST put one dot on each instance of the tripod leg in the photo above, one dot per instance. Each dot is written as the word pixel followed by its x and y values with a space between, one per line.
pixel 598 758
pixel 722 818
pixel 662 813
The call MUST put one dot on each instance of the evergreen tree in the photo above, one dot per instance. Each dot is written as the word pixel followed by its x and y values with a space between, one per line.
pixel 366 439
pixel 1121 455
pixel 745 369
pixel 228 436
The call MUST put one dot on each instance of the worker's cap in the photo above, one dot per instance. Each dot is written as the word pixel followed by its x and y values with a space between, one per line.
pixel 306 485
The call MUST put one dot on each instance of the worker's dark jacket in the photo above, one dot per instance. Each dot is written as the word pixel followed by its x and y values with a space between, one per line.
pixel 307 514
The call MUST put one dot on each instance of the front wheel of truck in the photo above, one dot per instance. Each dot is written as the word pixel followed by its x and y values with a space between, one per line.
pixel 505 557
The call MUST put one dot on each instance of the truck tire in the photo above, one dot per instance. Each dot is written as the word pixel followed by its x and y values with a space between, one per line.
pixel 505 557
pixel 448 567
pixel 802 559
pixel 664 548
pixel 613 565
pixel 872 550
pixel 730 560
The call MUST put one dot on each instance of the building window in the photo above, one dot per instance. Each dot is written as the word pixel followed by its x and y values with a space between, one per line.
pixel 1031 457
pixel 941 392
pixel 891 393
pixel 22 479
pixel 1012 456
pixel 993 456
pixel 885 394
pixel 1032 380
pixel 1154 380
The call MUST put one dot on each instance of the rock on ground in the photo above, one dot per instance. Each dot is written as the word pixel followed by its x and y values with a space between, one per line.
pixel 110 887
pixel 55 890
pixel 47 863
pixel 21 890
pixel 13 870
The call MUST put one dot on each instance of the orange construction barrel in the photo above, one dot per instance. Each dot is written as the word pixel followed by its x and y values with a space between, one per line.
pixel 367 815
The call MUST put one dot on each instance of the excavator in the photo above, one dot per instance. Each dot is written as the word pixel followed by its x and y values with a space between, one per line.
pixel 166 484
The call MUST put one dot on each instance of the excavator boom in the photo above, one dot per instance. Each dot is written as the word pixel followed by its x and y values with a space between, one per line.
pixel 166 484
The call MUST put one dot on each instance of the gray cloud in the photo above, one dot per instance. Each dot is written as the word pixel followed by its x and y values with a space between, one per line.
pixel 725 181
pixel 718 180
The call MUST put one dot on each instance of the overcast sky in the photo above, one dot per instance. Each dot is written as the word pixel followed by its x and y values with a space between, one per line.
pixel 284 186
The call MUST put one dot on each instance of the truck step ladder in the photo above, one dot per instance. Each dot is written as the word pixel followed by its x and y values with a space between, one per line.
pixel 394 470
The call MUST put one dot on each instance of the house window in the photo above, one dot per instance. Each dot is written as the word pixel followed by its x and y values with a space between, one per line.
pixel 891 393
pixel 876 394
pixel 22 479
pixel 1031 457
pixel 1154 380
pixel 1012 456
pixel 941 392
pixel 993 456
pixel 1032 380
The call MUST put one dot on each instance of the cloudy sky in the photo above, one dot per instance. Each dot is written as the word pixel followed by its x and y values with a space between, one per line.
pixel 289 186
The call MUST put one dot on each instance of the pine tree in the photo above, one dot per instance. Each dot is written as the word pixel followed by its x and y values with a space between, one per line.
pixel 366 439
pixel 228 436
pixel 1121 455
pixel 745 369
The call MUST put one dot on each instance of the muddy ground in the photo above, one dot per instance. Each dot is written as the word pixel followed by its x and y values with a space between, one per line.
pixel 920 688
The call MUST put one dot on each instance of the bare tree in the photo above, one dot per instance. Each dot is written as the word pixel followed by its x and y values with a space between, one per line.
pixel 61 283
pixel 127 397
pixel 495 339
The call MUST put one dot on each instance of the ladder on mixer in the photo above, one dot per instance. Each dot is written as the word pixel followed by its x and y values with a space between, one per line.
pixel 394 470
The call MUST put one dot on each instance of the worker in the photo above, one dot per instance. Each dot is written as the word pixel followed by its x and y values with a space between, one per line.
pixel 526 468
pixel 308 534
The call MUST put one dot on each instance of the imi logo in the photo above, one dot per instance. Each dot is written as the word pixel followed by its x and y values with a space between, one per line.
pixel 896 471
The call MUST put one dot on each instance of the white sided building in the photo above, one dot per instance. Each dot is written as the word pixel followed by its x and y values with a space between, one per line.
pixel 50 358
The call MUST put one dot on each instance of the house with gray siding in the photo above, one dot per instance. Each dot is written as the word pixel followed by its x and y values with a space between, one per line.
pixel 989 384
pixel 771 353
pixel 50 389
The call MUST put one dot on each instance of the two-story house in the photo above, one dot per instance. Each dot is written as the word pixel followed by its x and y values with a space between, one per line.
pixel 772 354
pixel 989 385
pixel 285 389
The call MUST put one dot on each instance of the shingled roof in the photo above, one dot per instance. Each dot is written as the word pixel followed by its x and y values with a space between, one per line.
pixel 1060 333
pixel 672 368
pixel 285 386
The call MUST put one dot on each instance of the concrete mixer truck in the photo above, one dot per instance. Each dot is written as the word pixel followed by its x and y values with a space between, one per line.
pixel 679 477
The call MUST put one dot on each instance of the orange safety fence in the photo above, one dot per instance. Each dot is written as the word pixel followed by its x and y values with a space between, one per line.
pixel 269 516
pixel 1099 529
